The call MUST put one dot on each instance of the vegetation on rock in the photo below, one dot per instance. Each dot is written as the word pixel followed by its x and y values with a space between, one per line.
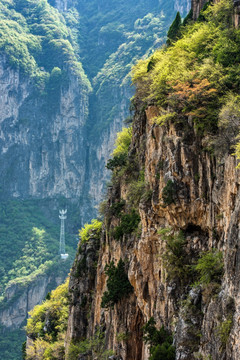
pixel 174 30
pixel 160 341
pixel 118 285
pixel 175 258
pixel 210 267
pixel 205 269
pixel 94 347
pixel 224 330
pixel 91 231
pixel 36 40
pixel 128 224
pixel 168 193
pixel 120 152
pixel 192 77
pixel 47 325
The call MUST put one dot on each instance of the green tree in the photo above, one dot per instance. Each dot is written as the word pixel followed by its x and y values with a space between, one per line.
pixel 92 230
pixel 160 341
pixel 210 266
pixel 174 31
pixel 118 285
pixel 188 18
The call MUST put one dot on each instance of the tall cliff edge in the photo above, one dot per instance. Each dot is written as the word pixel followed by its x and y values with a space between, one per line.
pixel 167 261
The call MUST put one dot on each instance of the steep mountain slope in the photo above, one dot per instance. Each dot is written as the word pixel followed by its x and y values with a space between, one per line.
pixel 65 93
pixel 111 37
pixel 45 137
pixel 168 254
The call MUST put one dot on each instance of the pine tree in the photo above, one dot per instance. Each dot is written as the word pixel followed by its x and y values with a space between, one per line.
pixel 188 18
pixel 174 30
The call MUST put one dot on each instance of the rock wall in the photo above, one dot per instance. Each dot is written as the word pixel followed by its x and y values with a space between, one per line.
pixel 42 139
pixel 20 299
pixel 100 149
pixel 197 6
pixel 236 17
pixel 206 208
pixel 45 146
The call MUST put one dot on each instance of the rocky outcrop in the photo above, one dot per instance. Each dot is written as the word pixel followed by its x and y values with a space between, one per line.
pixel 205 206
pixel 81 288
pixel 21 298
pixel 197 6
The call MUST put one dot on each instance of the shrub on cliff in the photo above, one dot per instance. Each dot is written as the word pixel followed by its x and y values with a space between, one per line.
pixel 119 154
pixel 123 141
pixel 91 231
pixel 175 258
pixel 160 341
pixel 47 325
pixel 210 267
pixel 128 224
pixel 174 31
pixel 192 77
pixel 118 285
pixel 168 193
pixel 118 161
pixel 93 346
pixel 224 329
pixel 229 123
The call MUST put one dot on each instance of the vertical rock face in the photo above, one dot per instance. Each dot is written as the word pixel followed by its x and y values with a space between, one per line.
pixel 42 139
pixel 81 287
pixel 46 145
pixel 236 16
pixel 109 102
pixel 206 208
pixel 197 6
pixel 101 148
pixel 13 316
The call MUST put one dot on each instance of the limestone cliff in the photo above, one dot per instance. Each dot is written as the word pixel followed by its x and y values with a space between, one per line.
pixel 42 150
pixel 55 139
pixel 21 299
pixel 197 6
pixel 206 209
pixel 190 189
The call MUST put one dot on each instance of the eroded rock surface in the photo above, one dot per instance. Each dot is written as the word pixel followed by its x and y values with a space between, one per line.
pixel 206 208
